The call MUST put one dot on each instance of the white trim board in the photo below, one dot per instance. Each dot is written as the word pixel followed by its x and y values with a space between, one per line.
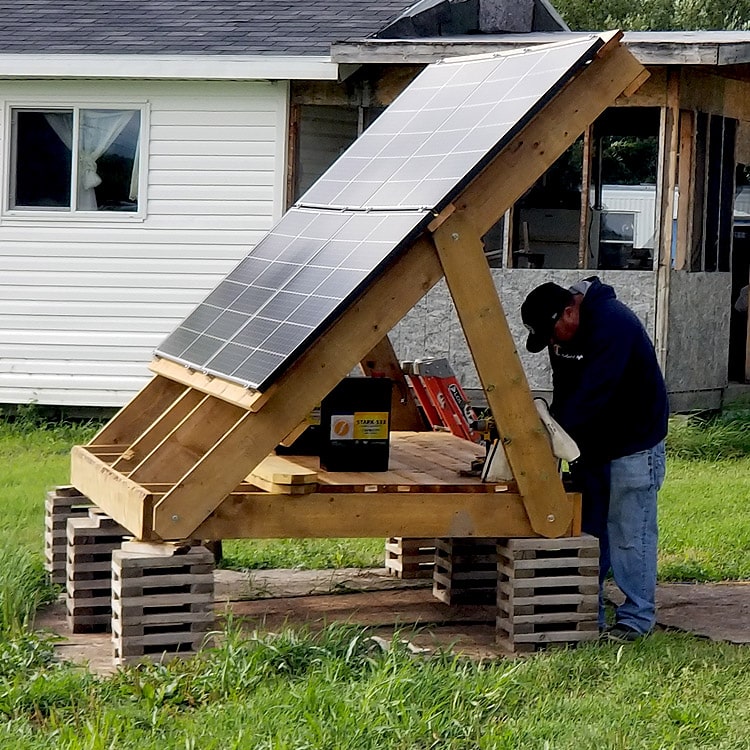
pixel 184 67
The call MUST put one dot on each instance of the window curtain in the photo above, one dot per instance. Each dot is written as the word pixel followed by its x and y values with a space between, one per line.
pixel 98 131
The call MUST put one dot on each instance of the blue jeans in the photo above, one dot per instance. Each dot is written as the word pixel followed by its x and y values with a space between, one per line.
pixel 629 545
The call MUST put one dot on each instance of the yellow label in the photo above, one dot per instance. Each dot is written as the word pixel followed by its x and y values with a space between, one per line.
pixel 371 425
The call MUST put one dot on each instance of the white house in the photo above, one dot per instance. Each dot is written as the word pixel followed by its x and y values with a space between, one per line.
pixel 144 150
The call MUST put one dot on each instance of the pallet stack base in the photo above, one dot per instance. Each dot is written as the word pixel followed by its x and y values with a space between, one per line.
pixel 409 558
pixel 60 504
pixel 91 541
pixel 162 601
pixel 465 570
pixel 547 592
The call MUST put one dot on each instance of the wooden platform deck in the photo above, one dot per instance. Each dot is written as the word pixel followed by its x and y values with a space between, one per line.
pixel 425 493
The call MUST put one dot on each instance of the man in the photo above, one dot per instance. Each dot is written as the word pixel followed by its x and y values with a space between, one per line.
pixel 609 395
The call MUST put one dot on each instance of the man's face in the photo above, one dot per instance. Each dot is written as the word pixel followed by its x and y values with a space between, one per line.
pixel 565 326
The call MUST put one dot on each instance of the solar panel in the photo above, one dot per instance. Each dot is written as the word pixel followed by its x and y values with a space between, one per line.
pixel 371 204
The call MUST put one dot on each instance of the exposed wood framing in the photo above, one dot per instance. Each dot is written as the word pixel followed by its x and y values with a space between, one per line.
pixel 584 233
pixel 186 451
pixel 501 373
pixel 663 241
pixel 296 393
pixel 382 361
pixel 261 515
pixel 686 185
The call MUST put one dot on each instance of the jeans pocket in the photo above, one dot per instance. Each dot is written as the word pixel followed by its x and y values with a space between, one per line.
pixel 633 472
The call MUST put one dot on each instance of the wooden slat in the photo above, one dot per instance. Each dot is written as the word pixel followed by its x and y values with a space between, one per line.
pixel 213 386
pixel 501 372
pixel 321 515
pixel 664 229
pixel 280 470
pixel 188 442
pixel 584 247
pixel 158 430
pixel 125 501
pixel 382 360
pixel 308 380
pixel 144 408
pixel 685 181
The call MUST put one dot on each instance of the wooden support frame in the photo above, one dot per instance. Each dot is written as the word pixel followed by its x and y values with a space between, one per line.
pixel 261 515
pixel 186 443
pixel 501 372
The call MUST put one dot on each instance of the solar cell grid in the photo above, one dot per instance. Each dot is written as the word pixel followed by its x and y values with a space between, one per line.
pixel 420 153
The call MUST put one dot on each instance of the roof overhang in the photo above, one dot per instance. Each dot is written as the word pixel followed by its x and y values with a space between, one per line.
pixel 159 67
pixel 649 48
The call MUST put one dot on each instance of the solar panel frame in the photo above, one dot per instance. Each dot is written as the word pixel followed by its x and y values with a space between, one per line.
pixel 322 254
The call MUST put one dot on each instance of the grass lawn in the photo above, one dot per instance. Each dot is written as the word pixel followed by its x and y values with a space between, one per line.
pixel 338 689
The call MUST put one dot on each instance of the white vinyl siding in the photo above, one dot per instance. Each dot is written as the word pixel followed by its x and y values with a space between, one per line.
pixel 84 303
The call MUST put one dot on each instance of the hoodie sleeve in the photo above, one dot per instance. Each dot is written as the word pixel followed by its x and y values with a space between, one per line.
pixel 582 411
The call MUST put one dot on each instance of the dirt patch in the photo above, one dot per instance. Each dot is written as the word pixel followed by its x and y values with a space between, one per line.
pixel 269 600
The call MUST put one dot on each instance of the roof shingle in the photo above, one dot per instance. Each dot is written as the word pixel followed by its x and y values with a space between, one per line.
pixel 215 27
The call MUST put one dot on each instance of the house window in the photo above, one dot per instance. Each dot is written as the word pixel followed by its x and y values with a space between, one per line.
pixel 616 238
pixel 75 160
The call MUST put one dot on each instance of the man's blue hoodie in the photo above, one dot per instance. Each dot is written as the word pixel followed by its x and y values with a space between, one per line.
pixel 609 393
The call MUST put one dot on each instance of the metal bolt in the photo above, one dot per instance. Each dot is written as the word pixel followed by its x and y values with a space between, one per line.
pixel 175 518
pixel 551 518
pixel 455 236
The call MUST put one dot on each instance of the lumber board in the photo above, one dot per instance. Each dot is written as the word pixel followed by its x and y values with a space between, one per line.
pixel 119 497
pixel 158 430
pixel 502 375
pixel 280 470
pixel 331 515
pixel 188 441
pixel 208 384
pixel 382 361
pixel 329 359
pixel 668 158
pixel 144 408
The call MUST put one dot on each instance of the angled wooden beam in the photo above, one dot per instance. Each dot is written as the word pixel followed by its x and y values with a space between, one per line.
pixel 499 367
pixel 382 360
pixel 201 428
pixel 145 407
pixel 158 430
pixel 329 359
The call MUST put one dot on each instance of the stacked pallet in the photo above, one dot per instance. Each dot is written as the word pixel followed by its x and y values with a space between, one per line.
pixel 162 600
pixel 465 570
pixel 547 592
pixel 60 504
pixel 91 542
pixel 409 558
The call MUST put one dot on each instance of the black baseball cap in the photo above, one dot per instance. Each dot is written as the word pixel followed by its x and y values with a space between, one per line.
pixel 541 310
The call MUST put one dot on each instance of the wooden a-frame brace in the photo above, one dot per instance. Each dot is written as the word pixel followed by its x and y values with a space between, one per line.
pixel 173 463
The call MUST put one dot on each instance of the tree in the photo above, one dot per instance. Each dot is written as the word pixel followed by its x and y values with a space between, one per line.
pixel 655 15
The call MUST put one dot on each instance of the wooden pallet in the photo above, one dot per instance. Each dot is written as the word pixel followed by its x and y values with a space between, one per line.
pixel 547 592
pixel 409 557
pixel 91 542
pixel 465 570
pixel 162 597
pixel 60 504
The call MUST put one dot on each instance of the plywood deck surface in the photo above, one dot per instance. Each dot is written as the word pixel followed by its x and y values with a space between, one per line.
pixel 417 458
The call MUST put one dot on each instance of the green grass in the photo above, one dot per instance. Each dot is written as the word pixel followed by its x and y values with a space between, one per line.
pixel 338 690
pixel 705 526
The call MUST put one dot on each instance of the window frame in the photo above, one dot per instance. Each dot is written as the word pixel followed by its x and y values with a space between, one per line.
pixel 37 214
